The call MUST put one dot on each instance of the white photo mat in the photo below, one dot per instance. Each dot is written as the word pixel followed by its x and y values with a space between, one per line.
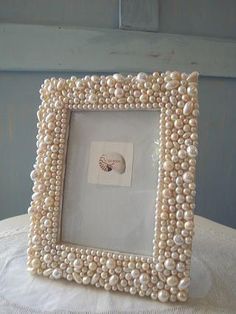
pixel 118 218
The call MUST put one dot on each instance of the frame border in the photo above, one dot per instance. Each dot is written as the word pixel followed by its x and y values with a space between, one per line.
pixel 166 275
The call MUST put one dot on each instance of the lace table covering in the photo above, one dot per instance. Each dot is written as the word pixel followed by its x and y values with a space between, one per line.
pixel 213 285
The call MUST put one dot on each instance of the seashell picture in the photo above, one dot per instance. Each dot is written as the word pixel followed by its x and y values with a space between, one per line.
pixel 112 162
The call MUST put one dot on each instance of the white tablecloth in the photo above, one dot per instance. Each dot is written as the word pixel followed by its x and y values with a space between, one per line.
pixel 213 286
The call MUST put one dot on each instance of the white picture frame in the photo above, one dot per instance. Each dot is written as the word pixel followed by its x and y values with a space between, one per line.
pixel 163 275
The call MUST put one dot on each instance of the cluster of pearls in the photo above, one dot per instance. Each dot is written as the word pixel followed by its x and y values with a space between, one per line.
pixel 165 276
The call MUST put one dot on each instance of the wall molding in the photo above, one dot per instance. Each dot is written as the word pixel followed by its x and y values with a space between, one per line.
pixel 51 48
pixel 140 15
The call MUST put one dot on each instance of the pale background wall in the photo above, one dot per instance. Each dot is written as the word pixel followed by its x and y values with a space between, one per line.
pixel 19 98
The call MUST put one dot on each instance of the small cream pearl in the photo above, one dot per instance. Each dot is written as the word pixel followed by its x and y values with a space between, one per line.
pixel 178 124
pixel 168 165
pixel 166 193
pixel 189 225
pixel 188 215
pixel 182 154
pixel 92 266
pixel 92 98
pixel 35 263
pixel 132 290
pixel 182 296
pixel 48 201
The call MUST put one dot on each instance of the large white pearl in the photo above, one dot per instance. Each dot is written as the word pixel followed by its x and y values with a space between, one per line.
pixel 193 77
pixel 113 280
pixel 92 98
pixel 61 84
pixel 144 278
pixel 35 263
pixel 192 91
pixel 141 77
pixel 86 280
pixel 71 257
pixel 188 215
pixel 182 296
pixel 47 258
pixel 166 193
pixel 92 266
pixel 135 273
pixel 169 264
pixel 180 199
pixel 119 92
pixel 50 117
pixel 78 263
pixel 110 263
pixel 168 165
pixel 188 107
pixel 95 278
pixel 189 225
pixel 182 154
pixel 178 123
pixel 172 281
pixel 47 272
pixel 178 239
pixel 192 151
pixel 188 177
pixel 48 201
pixel 163 296
pixel 172 84
pixel 77 278
pixel 118 77
pixel 57 273
pixel 184 283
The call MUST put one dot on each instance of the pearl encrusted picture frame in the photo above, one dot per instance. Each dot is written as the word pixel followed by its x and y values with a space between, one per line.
pixel 164 276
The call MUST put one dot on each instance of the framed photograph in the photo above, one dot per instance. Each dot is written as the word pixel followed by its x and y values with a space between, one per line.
pixel 114 183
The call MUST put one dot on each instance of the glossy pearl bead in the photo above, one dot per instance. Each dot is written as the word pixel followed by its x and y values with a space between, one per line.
pixel 110 264
pixel 168 165
pixel 192 151
pixel 184 283
pixel 92 266
pixel 188 177
pixel 113 280
pixel 144 278
pixel 169 264
pixel 172 281
pixel 57 273
pixel 163 296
